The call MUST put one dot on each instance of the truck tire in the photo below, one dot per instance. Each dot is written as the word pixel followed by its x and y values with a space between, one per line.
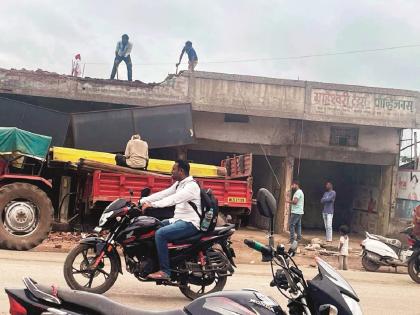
pixel 26 216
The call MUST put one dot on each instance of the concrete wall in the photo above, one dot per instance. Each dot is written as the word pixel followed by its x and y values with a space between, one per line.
pixel 371 139
pixel 264 130
pixel 226 93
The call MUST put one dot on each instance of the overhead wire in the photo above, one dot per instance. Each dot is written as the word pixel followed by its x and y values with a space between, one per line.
pixel 326 54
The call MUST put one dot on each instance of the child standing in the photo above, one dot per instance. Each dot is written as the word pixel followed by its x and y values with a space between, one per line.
pixel 343 247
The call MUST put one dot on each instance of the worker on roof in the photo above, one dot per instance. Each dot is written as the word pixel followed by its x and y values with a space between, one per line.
pixel 122 53
pixel 136 154
pixel 75 66
pixel 192 56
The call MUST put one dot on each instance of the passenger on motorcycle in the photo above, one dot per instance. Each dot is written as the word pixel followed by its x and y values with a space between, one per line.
pixel 185 222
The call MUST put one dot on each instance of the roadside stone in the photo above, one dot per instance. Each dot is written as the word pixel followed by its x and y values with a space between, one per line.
pixel 317 240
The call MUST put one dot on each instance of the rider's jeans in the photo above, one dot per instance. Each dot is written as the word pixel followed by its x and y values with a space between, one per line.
pixel 171 232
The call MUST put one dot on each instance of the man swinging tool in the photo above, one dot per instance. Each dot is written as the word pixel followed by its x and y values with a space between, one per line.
pixel 122 53
pixel 192 56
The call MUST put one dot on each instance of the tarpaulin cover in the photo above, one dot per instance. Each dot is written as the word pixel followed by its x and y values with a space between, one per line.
pixel 14 140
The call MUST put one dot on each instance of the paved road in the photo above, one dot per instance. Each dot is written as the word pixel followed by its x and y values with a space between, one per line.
pixel 380 293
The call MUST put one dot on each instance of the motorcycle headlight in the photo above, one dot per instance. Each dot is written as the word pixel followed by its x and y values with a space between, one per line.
pixel 353 305
pixel 104 218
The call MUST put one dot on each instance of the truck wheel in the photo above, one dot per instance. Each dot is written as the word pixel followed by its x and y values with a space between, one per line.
pixel 26 215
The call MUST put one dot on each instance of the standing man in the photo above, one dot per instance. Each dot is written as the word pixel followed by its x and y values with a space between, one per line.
pixel 296 211
pixel 75 66
pixel 327 201
pixel 122 53
pixel 192 56
pixel 136 154
pixel 185 222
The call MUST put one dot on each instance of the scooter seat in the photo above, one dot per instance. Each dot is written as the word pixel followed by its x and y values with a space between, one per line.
pixel 99 303
pixel 389 241
pixel 219 230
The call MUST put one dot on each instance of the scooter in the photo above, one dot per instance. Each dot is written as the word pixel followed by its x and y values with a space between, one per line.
pixel 327 294
pixel 380 251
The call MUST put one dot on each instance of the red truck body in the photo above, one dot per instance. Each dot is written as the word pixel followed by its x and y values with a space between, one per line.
pixel 108 186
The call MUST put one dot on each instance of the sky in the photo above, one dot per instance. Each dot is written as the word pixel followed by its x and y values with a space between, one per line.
pixel 46 34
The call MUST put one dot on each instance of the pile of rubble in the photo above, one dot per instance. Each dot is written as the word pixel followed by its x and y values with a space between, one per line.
pixel 322 247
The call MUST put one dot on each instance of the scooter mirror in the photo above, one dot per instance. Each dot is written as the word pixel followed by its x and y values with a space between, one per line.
pixel 328 309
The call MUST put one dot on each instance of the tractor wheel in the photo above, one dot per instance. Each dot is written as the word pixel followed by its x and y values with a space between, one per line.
pixel 26 215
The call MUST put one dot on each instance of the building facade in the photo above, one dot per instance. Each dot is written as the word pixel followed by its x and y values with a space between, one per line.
pixel 312 131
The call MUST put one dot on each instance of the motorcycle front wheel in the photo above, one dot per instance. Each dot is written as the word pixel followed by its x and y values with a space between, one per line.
pixel 80 276
pixel 414 269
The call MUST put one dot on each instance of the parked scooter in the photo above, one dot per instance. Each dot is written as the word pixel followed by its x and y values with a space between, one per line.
pixel 327 294
pixel 380 251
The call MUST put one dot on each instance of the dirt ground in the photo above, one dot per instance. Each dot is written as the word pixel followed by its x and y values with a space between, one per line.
pixel 63 242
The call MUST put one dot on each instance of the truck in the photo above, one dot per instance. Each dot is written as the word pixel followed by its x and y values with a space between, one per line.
pixel 39 193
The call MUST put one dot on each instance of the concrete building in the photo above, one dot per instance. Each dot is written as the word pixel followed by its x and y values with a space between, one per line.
pixel 309 130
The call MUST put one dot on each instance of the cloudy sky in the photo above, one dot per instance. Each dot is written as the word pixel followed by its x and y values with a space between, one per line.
pixel 236 36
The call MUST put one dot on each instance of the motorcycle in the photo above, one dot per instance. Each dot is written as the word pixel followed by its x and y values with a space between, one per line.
pixel 414 260
pixel 200 264
pixel 327 294
pixel 380 251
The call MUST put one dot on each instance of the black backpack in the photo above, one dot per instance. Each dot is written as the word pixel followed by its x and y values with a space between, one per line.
pixel 208 203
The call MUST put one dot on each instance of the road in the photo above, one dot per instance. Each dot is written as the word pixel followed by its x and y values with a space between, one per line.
pixel 380 293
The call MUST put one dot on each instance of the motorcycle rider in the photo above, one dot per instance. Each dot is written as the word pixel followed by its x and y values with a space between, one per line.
pixel 185 222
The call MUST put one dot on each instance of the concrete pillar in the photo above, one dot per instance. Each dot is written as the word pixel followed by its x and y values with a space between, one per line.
pixel 387 198
pixel 282 215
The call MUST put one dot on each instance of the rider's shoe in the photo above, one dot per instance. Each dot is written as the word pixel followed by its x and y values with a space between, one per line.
pixel 159 275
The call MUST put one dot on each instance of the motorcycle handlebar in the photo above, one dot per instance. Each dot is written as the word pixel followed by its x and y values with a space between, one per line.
pixel 265 250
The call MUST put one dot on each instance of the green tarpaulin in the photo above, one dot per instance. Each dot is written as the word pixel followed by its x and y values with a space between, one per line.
pixel 14 140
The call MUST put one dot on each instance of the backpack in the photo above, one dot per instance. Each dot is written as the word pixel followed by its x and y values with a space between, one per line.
pixel 209 209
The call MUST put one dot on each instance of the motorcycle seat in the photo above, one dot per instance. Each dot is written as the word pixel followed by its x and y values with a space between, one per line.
pixel 218 230
pixel 389 241
pixel 99 303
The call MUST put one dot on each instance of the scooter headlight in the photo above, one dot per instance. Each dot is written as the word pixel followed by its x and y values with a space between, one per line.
pixel 353 305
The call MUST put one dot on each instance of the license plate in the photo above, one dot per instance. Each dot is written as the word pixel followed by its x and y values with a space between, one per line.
pixel 237 199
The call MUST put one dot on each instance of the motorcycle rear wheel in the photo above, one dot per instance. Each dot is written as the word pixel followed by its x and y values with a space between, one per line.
pixel 414 269
pixel 192 293
pixel 73 266
pixel 369 265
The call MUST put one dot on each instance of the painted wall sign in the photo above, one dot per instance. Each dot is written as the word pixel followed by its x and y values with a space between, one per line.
pixel 408 185
pixel 355 104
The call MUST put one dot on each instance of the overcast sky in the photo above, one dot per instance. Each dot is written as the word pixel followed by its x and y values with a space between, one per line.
pixel 46 34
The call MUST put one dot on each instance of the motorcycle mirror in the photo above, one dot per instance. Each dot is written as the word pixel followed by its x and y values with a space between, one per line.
pixel 328 309
pixel 145 192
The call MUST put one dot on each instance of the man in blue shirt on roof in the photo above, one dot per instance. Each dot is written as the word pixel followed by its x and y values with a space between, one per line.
pixel 192 56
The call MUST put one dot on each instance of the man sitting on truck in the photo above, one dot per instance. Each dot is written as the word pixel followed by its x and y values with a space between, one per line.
pixel 185 222
pixel 136 154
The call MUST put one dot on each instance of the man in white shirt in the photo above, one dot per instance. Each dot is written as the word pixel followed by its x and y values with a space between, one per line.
pixel 185 222
pixel 75 69
pixel 136 154
pixel 122 53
